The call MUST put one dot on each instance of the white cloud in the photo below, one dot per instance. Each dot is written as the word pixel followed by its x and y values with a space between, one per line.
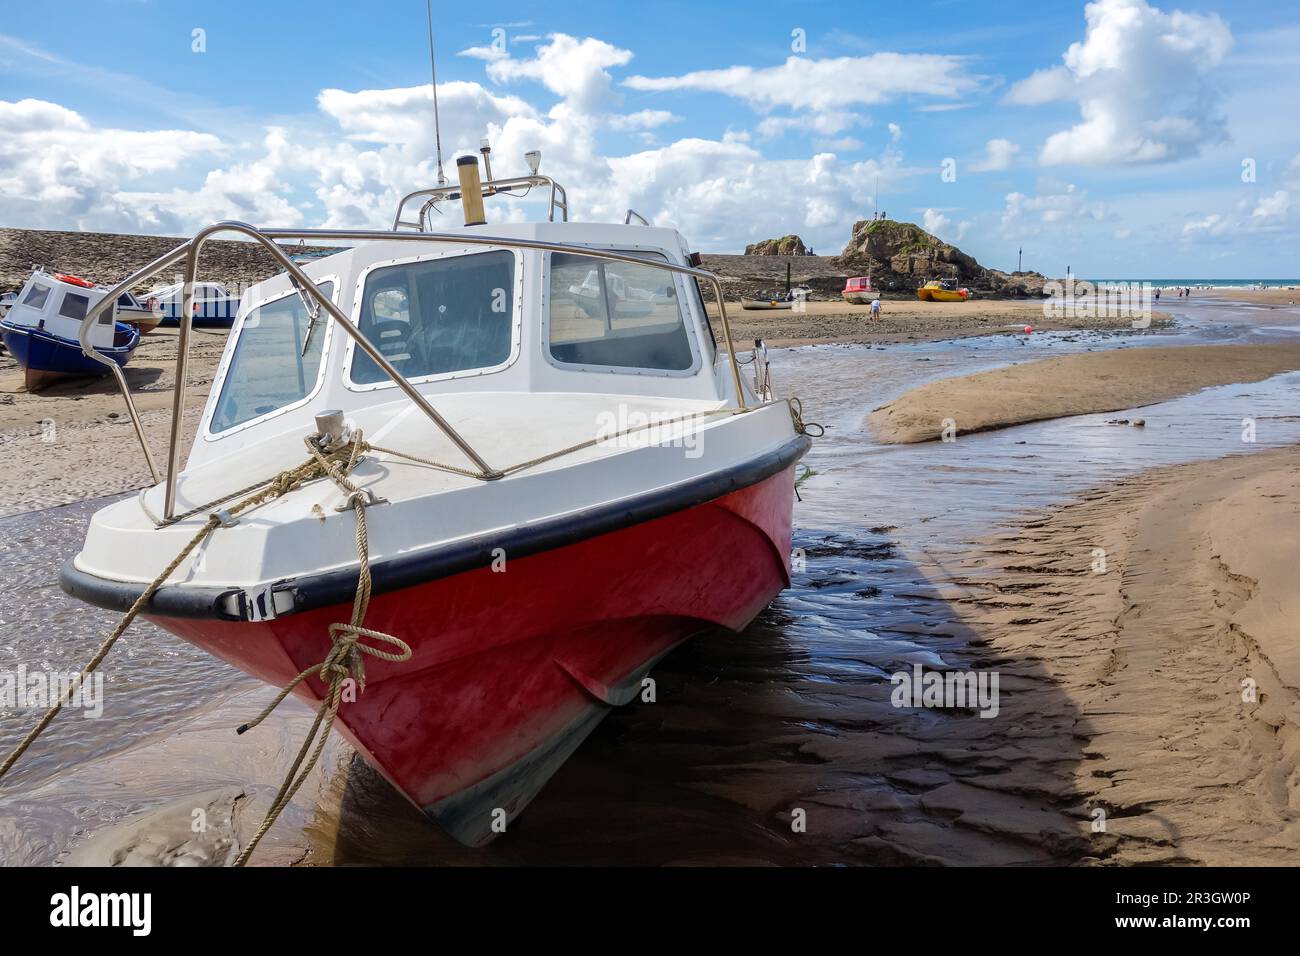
pixel 1141 78
pixel 1043 86
pixel 845 144
pixel 895 132
pixel 998 154
pixel 935 222
pixel 55 167
pixel 250 191
pixel 722 194
pixel 1273 207
pixel 488 53
pixel 405 115
pixel 1211 225
pixel 1055 205
pixel 576 70
pixel 642 119
pixel 830 84
pixel 826 123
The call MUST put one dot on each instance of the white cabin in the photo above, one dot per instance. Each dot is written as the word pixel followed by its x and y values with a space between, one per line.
pixel 467 319
pixel 49 302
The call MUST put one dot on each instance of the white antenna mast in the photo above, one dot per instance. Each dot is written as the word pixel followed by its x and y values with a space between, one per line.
pixel 433 74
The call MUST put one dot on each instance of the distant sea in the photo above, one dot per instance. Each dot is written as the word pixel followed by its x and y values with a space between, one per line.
pixel 1212 283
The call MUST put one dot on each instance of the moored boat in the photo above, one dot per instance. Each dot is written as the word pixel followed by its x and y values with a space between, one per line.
pixel 769 300
pixel 42 325
pixel 858 291
pixel 212 305
pixel 942 290
pixel 554 492
pixel 144 315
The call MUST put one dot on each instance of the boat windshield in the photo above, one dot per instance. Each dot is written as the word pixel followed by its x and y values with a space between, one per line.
pixel 616 315
pixel 269 370
pixel 438 316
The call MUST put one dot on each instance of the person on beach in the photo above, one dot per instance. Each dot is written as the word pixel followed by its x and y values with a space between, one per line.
pixel 875 308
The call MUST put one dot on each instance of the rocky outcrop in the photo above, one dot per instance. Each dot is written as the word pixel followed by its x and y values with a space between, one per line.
pixel 900 256
pixel 108 258
pixel 785 246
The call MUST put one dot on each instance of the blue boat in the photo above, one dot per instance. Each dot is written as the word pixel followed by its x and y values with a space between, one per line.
pixel 40 330
pixel 214 307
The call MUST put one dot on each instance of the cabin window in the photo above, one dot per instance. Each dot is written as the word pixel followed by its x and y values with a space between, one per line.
pixel 438 316
pixel 37 296
pixel 270 368
pixel 74 306
pixel 616 315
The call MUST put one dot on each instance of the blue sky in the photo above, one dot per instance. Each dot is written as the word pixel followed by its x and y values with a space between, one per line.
pixel 1108 137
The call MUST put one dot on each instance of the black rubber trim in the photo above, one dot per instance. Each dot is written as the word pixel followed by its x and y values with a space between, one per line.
pixel 338 587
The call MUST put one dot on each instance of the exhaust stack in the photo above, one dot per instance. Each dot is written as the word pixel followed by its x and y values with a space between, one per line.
pixel 471 190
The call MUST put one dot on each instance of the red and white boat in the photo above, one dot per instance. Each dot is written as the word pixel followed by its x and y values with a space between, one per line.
pixel 534 600
pixel 858 291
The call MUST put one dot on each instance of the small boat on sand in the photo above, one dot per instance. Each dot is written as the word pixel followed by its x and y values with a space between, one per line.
pixel 942 290
pixel 560 468
pixel 145 315
pixel 41 330
pixel 769 300
pixel 213 305
pixel 858 291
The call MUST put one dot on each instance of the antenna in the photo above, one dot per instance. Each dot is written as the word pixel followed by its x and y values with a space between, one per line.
pixel 433 75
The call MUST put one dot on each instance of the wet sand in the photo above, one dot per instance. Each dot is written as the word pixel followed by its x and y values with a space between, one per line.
pixel 1072 385
pixel 907 320
pixel 1177 656
pixel 1273 298
pixel 74 440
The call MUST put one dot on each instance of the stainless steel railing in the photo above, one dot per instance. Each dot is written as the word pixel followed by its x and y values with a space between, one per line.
pixel 559 199
pixel 191 249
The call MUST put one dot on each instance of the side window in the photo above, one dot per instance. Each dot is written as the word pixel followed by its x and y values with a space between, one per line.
pixel 37 296
pixel 616 314
pixel 74 306
pixel 274 364
pixel 438 316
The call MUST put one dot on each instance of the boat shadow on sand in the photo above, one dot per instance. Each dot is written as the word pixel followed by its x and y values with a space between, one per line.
pixel 794 714
pixel 137 378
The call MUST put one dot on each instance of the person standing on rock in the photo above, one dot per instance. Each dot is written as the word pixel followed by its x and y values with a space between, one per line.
pixel 875 308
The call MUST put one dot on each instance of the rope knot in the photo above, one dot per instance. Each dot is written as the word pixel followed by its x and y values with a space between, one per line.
pixel 811 429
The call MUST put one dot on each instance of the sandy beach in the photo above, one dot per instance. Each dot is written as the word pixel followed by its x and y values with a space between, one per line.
pixel 1072 385
pixel 1274 298
pixel 1175 651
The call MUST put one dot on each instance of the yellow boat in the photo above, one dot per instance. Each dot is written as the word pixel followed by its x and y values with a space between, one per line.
pixel 937 290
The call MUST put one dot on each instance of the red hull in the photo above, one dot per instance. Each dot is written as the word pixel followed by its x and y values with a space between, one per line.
pixel 512 669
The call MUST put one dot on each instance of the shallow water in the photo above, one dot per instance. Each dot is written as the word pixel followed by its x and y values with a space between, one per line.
pixel 793 712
